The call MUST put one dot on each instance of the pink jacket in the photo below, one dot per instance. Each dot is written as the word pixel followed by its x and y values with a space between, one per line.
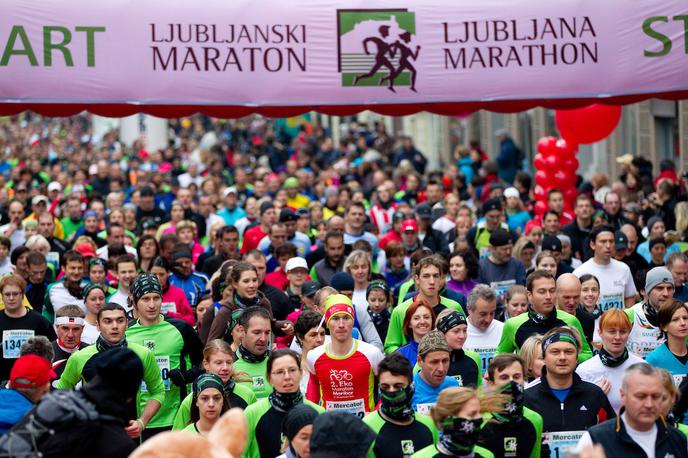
pixel 175 305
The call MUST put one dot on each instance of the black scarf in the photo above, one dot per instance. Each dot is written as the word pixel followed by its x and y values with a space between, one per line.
pixel 460 435
pixel 284 402
pixel 650 314
pixel 513 411
pixel 242 302
pixel 541 319
pixel 103 345
pixel 610 360
pixel 249 357
pixel 74 288
pixel 379 318
pixel 396 405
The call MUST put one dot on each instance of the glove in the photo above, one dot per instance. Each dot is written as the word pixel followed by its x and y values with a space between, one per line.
pixel 177 377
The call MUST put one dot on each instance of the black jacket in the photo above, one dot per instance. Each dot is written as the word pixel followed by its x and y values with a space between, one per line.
pixel 579 238
pixel 586 405
pixel 436 242
pixel 612 435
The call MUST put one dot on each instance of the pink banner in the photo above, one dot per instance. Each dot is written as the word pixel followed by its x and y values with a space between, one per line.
pixel 307 53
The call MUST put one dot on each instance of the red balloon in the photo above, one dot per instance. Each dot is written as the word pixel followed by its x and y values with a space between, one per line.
pixel 552 164
pixel 538 162
pixel 547 146
pixel 588 125
pixel 570 195
pixel 561 177
pixel 566 149
pixel 541 178
pixel 570 165
pixel 540 207
pixel 539 192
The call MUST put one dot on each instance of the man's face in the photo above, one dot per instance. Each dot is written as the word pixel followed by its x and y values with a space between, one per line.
pixel 231 201
pixel 46 225
pixel 434 367
pixel 116 235
pixel 185 266
pixel 568 296
pixel 278 236
pixel 512 372
pixel 483 314
pixel 91 224
pixel 551 224
pixel 146 203
pixel 269 217
pixel 632 237
pixel 355 217
pixel 334 249
pixel 148 306
pixel 542 296
pixel 126 272
pixel 556 202
pixel 112 325
pixel 492 219
pixel 642 397
pixel 561 358
pixel 679 270
pixel 429 281
pixel 37 273
pixel 205 205
pixel 74 209
pixel 434 193
pixel 341 326
pixel 259 263
pixel 16 212
pixel 392 383
pixel 661 295
pixel 584 209
pixel 409 238
pixel 74 270
pixel 657 252
pixel 69 334
pixel 502 254
pixel 229 242
pixel 184 196
pixel 603 245
pixel 612 203
pixel 257 336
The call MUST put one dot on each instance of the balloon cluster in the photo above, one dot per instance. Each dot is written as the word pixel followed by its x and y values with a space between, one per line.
pixel 556 165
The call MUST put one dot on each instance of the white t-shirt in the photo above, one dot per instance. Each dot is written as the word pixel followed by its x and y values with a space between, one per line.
pixel 644 337
pixel 594 371
pixel 118 297
pixel 645 439
pixel 90 334
pixel 616 282
pixel 484 343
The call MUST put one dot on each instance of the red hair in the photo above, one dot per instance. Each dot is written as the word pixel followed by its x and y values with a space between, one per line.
pixel 409 313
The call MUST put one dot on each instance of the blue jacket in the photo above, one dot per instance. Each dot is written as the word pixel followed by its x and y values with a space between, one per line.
pixel 13 406
pixel 508 161
pixel 194 286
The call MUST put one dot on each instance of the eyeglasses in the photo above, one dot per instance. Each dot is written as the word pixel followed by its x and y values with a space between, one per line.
pixel 283 373
pixel 12 293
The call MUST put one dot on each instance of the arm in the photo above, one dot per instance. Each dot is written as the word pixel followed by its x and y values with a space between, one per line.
pixel 395 338
pixel 71 374
pixel 368 330
pixel 585 353
pixel 507 344
pixel 629 301
pixel 313 389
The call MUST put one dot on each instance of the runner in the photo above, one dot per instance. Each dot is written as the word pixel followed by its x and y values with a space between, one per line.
pixel 478 237
pixel 194 284
pixel 297 428
pixel 29 381
pixel 67 291
pixel 465 366
pixel 126 268
pixel 342 371
pixel 500 270
pixel 484 332
pixel 69 325
pixel 208 404
pixel 399 430
pixel 569 300
pixel 434 362
pixel 253 352
pixel 672 355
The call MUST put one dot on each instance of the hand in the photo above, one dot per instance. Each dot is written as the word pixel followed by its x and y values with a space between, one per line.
pixel 605 385
pixel 135 428
pixel 287 328
pixel 177 377
pixel 594 451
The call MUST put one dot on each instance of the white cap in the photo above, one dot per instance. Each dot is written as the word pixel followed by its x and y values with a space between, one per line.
pixel 229 190
pixel 93 169
pixel 54 186
pixel 295 263
pixel 41 198
pixel 511 192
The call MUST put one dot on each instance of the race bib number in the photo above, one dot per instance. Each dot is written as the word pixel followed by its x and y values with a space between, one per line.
pixel 168 307
pixel 12 341
pixel 486 355
pixel 561 441
pixel 501 288
pixel 424 408
pixel 355 406
pixel 163 363
pixel 611 301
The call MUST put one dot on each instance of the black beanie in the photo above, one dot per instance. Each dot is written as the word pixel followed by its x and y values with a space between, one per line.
pixel 298 417
pixel 121 369
pixel 342 281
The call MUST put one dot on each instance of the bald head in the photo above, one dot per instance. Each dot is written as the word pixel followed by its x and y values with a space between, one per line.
pixel 568 293
pixel 632 236
pixel 336 223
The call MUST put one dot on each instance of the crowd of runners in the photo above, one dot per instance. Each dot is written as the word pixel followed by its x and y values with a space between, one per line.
pixel 351 300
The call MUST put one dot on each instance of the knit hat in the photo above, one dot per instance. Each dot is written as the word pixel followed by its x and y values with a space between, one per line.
pixel 491 204
pixel 121 369
pixel 298 417
pixel 656 241
pixel 291 183
pixel 656 276
pixel 500 237
pixel 145 284
pixel 551 243
pixel 450 321
pixel 342 281
pixel 90 287
pixel 340 435
pixel 265 206
pixel 652 221
pixel 433 341
pixel 182 254
pixel 338 303
pixel 511 192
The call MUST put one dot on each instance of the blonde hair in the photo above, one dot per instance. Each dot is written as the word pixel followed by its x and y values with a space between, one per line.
pixel 185 224
pixel 529 350
pixel 519 245
pixel 681 212
pixel 220 346
pixel 356 257
pixel 451 400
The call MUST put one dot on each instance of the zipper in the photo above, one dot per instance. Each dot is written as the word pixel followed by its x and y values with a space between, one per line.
pixel 561 405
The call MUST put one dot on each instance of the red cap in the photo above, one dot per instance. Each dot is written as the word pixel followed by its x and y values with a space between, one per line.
pixel 409 225
pixel 85 249
pixel 31 371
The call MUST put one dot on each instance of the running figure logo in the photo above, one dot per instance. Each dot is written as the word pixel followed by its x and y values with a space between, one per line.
pixel 376 47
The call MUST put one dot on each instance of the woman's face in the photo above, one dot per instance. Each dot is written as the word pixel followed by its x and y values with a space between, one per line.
pixel 658 251
pixel 285 375
pixel 186 236
pixel 94 301
pixel 209 404
pixel 457 268
pixel 302 442
pixel 177 213
pixel 538 362
pixel 535 236
pixel 201 309
pixel 116 217
pixel 21 262
pixel 297 277
pixel 614 339
pixel 657 230
pixel 456 336
pixel 161 273
pixel 470 410
pixel 220 364
pixel 360 272
pixel 678 326
pixel 377 300
pixel 314 338
pixel 421 323
pixel 549 264
pixel 517 305
pixel 247 286
pixel 590 293
pixel 666 403
pixel 97 274
pixel 148 249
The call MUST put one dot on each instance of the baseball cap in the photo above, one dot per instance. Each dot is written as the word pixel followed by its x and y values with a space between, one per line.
pixel 85 249
pixel 31 371
pixel 229 190
pixel 491 204
pixel 409 225
pixel 551 243
pixel 500 237
pixel 511 192
pixel 657 276
pixel 38 199
pixel 620 240
pixel 291 183
pixel 433 341
pixel 310 288
pixel 286 215
pixel 302 212
pixel 295 263
pixel 424 211
pixel 54 186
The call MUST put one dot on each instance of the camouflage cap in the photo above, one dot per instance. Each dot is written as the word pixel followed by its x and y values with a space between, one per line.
pixel 433 341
